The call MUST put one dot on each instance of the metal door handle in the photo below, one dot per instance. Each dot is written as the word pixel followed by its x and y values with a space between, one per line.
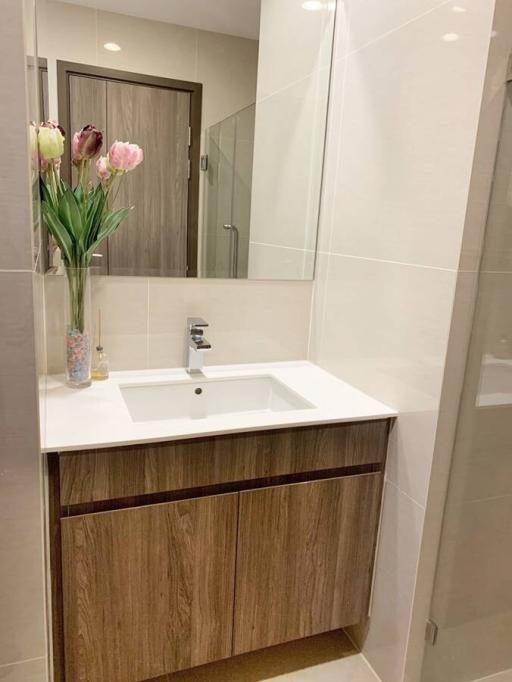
pixel 233 248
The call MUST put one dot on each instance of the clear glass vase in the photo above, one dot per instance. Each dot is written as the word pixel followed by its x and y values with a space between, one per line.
pixel 78 327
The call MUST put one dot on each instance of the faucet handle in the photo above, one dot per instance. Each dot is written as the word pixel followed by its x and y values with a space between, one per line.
pixel 195 323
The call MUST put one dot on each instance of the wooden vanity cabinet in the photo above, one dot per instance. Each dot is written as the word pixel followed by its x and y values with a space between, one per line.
pixel 148 590
pixel 158 567
pixel 304 559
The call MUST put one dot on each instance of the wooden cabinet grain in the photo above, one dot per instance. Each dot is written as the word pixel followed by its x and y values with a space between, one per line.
pixel 172 555
pixel 149 590
pixel 305 555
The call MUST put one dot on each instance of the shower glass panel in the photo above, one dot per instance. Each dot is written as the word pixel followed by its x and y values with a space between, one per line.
pixel 472 600
pixel 227 180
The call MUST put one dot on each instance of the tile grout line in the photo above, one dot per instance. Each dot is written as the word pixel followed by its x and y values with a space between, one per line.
pixel 25 660
pixel 399 489
pixel 16 271
pixel 384 35
pixel 281 246
pixel 390 262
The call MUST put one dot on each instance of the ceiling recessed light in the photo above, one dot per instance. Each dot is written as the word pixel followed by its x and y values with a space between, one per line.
pixel 112 47
pixel 450 37
pixel 458 9
pixel 312 5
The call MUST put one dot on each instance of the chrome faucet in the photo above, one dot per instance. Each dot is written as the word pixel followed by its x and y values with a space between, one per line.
pixel 197 344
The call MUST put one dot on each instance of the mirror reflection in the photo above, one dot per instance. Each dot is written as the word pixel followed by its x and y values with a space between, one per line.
pixel 228 101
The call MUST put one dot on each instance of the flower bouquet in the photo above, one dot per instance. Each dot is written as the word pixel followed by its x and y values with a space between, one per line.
pixel 79 219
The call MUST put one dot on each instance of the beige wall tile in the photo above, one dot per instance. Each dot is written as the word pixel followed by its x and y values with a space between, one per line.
pixel 246 318
pixel 26 671
pixel 227 67
pixel 123 302
pixel 22 626
pixel 15 190
pixel 151 47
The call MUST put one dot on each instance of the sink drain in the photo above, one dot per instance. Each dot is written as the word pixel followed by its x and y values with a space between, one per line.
pixel 198 391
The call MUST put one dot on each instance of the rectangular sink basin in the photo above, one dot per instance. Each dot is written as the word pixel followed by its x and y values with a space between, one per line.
pixel 202 398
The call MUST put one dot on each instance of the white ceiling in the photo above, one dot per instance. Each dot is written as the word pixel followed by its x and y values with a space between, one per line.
pixel 235 17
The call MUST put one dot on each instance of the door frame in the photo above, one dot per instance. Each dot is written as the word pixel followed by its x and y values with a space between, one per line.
pixel 67 69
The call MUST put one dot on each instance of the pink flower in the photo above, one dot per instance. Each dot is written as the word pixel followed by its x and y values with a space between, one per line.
pixel 124 156
pixel 103 168
pixel 86 144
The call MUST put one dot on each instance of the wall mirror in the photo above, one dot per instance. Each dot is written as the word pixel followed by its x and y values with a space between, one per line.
pixel 228 100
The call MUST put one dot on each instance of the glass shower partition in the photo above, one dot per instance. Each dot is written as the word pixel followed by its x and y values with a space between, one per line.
pixel 227 178
pixel 471 608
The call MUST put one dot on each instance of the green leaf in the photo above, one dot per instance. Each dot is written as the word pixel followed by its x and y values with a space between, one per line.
pixel 69 214
pixel 46 194
pixel 79 194
pixel 58 232
pixel 111 222
pixel 95 215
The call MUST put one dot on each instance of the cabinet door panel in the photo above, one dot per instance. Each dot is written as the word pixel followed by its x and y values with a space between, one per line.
pixel 148 591
pixel 305 554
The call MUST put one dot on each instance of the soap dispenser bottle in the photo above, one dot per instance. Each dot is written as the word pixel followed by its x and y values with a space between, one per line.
pixel 100 368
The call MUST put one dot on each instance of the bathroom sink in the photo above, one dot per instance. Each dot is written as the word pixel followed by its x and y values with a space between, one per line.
pixel 201 398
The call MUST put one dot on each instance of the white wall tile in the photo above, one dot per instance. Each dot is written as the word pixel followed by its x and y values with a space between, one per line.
pixel 385 329
pixel 288 146
pixel 308 39
pixel 397 557
pixel 401 138
pixel 267 261
pixel 408 136
pixel 332 152
pixel 368 20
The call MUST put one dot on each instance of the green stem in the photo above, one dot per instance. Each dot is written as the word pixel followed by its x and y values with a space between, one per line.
pixel 77 285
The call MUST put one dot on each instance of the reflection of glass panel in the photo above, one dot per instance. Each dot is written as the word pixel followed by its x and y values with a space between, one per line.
pixel 229 147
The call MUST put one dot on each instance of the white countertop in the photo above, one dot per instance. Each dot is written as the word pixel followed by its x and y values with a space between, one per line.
pixel 97 417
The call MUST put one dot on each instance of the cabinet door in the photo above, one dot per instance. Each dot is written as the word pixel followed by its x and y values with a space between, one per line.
pixel 305 554
pixel 149 590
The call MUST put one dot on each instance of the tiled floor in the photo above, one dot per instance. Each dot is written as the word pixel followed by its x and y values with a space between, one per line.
pixel 326 658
